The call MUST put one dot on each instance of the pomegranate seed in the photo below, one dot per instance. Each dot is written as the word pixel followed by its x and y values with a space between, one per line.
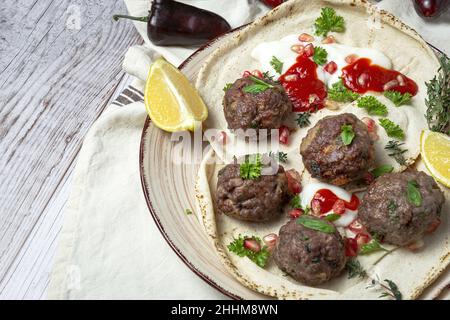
pixel 339 207
pixel 369 178
pixel 351 58
pixel 252 245
pixel 362 79
pixel 417 245
pixel 295 213
pixel 246 73
pixel 284 135
pixel 222 137
pixel 401 80
pixel 329 39
pixel 330 67
pixel 304 37
pixel 361 239
pixel 351 247
pixel 309 50
pixel 291 77
pixel 389 85
pixel 257 73
pixel 356 227
pixel 298 48
pixel 270 240
pixel 293 180
pixel 434 225
pixel 370 123
pixel 315 207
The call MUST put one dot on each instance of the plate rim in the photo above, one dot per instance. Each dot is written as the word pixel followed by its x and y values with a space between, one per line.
pixel 145 187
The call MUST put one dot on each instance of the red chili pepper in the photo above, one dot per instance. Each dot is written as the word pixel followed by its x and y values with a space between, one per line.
pixel 284 135
pixel 351 247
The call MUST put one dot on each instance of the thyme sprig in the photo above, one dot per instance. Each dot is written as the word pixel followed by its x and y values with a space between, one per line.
pixel 396 152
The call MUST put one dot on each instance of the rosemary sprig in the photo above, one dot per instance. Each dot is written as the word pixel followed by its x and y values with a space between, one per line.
pixel 280 156
pixel 396 152
pixel 303 119
pixel 355 269
pixel 438 101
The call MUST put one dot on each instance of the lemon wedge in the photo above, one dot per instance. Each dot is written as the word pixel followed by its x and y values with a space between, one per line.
pixel 171 101
pixel 435 151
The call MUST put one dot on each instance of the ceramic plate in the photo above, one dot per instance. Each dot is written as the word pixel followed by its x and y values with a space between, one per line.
pixel 169 190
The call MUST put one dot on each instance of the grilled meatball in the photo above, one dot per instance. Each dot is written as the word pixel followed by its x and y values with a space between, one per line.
pixel 327 158
pixel 387 211
pixel 255 200
pixel 264 110
pixel 309 256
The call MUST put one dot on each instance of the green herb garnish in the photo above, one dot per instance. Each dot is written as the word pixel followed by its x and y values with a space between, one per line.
pixel 438 100
pixel 413 193
pixel 276 64
pixel 340 93
pixel 260 257
pixel 251 170
pixel 280 156
pixel 347 134
pixel 314 224
pixel 328 21
pixel 332 217
pixel 303 119
pixel 355 269
pixel 398 98
pixel 393 130
pixel 227 87
pixel 391 290
pixel 188 211
pixel 258 86
pixel 378 172
pixel 320 55
pixel 296 202
pixel 396 152
pixel 370 247
pixel 372 106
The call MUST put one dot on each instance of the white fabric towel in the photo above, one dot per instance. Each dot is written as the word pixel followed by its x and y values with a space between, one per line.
pixel 109 245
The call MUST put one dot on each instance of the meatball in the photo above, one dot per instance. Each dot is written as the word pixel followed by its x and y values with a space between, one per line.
pixel 327 158
pixel 309 256
pixel 264 110
pixel 387 211
pixel 257 200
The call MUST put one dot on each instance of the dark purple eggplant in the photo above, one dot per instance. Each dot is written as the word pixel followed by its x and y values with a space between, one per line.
pixel 174 23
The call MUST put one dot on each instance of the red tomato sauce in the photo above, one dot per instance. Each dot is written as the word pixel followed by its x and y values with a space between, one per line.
pixel 362 76
pixel 306 91
pixel 327 199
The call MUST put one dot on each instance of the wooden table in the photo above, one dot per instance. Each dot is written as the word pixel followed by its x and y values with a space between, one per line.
pixel 60 66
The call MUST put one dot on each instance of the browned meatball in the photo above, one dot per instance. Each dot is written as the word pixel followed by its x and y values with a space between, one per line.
pixel 327 158
pixel 309 256
pixel 255 200
pixel 264 110
pixel 387 212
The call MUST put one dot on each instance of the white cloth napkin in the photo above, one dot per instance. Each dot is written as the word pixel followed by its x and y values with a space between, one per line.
pixel 109 245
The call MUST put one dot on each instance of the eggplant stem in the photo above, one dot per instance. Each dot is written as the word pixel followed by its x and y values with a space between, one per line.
pixel 119 16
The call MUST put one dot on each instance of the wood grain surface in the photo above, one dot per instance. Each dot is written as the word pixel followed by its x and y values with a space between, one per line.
pixel 60 66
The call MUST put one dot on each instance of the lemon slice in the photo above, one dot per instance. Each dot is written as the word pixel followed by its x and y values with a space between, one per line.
pixel 172 102
pixel 435 151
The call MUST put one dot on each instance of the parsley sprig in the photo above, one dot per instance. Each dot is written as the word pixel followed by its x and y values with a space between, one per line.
pixel 320 55
pixel 372 106
pixel 393 130
pixel 260 257
pixel 438 100
pixel 258 86
pixel 328 21
pixel 398 98
pixel 251 169
pixel 340 93
pixel 347 134
pixel 276 64
pixel 394 147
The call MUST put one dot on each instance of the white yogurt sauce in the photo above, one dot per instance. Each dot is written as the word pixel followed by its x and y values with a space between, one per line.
pixel 281 49
pixel 308 192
